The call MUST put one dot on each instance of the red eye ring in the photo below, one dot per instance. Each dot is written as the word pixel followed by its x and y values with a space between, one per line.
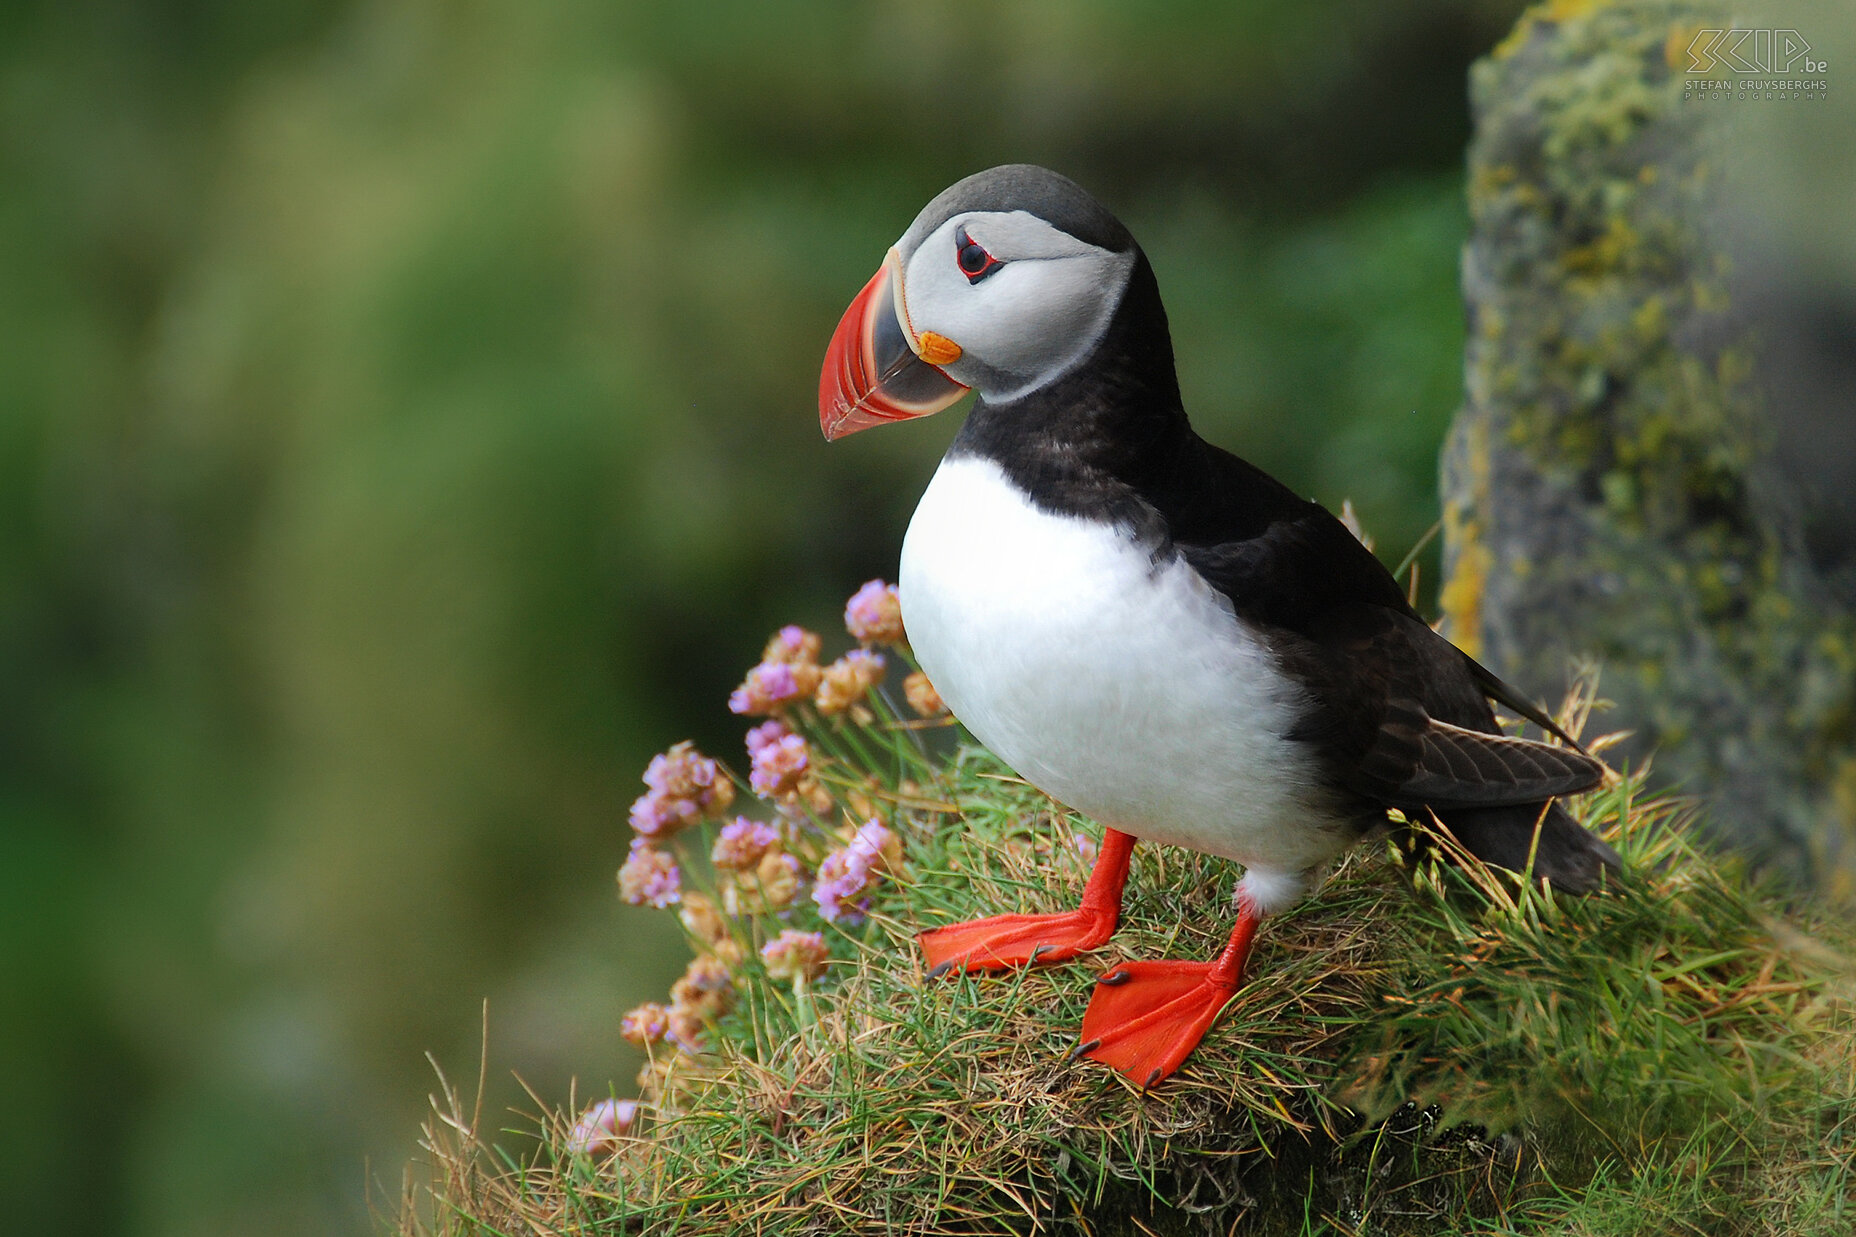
pixel 971 257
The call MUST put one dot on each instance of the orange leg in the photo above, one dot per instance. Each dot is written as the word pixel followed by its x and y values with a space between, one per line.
pixel 1147 1017
pixel 1016 940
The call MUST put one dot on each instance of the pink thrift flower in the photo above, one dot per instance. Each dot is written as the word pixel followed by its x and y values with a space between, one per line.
pixel 772 885
pixel 922 696
pixel 795 955
pixel 876 845
pixel 845 681
pixel 602 1127
pixel 742 843
pixel 779 765
pixel 645 1025
pixel 682 772
pixel 765 735
pixel 650 877
pixel 838 891
pixel 657 815
pixel 706 987
pixel 874 614
pixel 684 784
pixel 703 921
pixel 772 685
pixel 846 875
pixel 687 1028
pixel 794 645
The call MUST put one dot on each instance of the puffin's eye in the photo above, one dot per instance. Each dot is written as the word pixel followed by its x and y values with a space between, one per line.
pixel 971 257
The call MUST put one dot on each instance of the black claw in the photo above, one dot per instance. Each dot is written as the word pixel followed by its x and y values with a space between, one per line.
pixel 1084 1048
pixel 941 970
pixel 1041 949
pixel 1114 979
pixel 1151 1079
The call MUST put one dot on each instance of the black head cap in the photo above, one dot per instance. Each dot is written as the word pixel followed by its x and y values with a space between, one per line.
pixel 1057 200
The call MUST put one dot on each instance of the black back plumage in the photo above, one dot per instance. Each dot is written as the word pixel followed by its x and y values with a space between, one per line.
pixel 1397 716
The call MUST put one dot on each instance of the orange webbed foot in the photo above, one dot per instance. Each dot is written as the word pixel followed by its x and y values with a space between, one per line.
pixel 1005 941
pixel 1014 940
pixel 1146 1017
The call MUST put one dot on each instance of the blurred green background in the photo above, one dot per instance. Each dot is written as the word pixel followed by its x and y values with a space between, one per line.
pixel 407 426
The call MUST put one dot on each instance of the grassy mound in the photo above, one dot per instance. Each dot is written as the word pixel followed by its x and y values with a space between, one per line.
pixel 1425 1045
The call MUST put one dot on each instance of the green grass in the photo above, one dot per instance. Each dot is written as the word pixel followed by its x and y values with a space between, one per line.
pixel 1423 1046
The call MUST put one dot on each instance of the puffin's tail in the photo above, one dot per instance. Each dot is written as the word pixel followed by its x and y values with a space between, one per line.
pixel 1568 854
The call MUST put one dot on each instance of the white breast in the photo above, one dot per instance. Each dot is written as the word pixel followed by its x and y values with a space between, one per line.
pixel 1125 689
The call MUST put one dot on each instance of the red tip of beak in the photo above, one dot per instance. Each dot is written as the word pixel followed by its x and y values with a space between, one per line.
pixel 871 375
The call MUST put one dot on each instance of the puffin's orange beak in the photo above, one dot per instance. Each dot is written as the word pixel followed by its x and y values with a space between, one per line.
pixel 872 374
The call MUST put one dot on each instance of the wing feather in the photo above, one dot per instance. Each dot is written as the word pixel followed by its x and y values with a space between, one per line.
pixel 1401 715
pixel 1466 768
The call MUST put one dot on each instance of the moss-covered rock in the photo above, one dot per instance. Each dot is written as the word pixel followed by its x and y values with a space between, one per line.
pixel 1612 485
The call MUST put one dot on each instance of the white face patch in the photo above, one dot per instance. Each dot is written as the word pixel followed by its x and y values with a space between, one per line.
pixel 1030 319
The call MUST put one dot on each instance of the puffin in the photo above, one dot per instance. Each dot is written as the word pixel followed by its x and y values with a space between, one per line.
pixel 1147 628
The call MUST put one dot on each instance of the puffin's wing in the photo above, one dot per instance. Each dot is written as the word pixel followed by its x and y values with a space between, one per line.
pixel 1377 682
pixel 1465 768
pixel 1396 711
pixel 1400 714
